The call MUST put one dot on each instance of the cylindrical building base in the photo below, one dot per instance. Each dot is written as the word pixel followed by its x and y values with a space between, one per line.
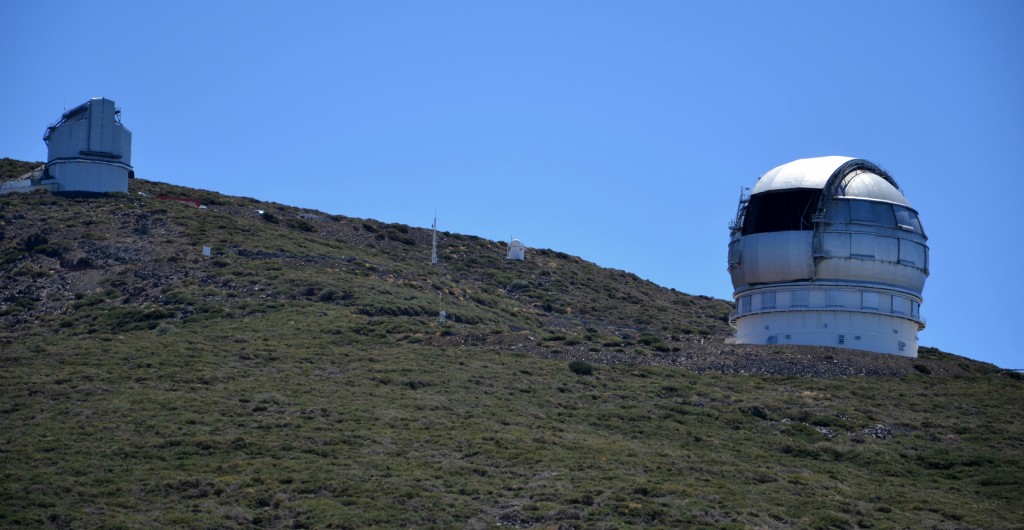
pixel 842 329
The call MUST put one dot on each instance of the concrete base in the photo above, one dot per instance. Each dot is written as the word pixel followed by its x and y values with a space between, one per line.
pixel 841 329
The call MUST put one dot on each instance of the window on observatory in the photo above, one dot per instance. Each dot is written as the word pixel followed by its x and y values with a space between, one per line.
pixel 882 214
pixel 781 211
pixel 872 212
pixel 908 220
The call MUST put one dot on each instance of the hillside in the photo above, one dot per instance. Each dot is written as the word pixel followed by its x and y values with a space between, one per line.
pixel 11 169
pixel 298 377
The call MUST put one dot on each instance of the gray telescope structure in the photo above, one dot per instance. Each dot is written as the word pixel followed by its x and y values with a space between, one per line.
pixel 89 150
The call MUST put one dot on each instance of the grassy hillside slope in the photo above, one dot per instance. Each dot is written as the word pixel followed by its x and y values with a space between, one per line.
pixel 11 169
pixel 298 378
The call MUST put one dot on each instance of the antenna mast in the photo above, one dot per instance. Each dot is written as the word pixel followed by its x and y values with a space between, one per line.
pixel 433 247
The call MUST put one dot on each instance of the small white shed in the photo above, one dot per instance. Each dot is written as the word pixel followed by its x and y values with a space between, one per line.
pixel 516 251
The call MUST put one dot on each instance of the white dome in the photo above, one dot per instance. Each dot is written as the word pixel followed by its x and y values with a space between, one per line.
pixel 803 173
pixel 814 173
pixel 827 251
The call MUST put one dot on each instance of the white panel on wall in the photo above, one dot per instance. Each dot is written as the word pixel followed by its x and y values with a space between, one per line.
pixel 869 300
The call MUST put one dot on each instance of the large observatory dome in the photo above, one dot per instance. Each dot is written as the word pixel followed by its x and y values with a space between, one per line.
pixel 828 251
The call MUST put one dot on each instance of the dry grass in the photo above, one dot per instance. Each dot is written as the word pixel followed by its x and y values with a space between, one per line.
pixel 298 378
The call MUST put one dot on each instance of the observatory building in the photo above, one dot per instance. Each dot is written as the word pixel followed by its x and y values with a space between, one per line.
pixel 88 150
pixel 516 251
pixel 827 251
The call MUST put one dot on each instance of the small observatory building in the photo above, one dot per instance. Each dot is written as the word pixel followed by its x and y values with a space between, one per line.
pixel 88 150
pixel 827 251
pixel 516 251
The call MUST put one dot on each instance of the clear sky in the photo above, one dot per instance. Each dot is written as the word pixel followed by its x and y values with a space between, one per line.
pixel 620 132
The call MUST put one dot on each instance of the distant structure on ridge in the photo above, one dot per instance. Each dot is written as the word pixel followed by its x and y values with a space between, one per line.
pixel 89 150
pixel 827 251
pixel 433 243
pixel 516 251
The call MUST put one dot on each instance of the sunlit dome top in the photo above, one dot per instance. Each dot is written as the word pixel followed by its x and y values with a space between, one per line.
pixel 814 173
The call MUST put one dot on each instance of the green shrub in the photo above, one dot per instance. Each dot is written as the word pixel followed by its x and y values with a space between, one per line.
pixel 34 241
pixel 648 340
pixel 301 224
pixel 163 329
pixel 395 235
pixel 756 411
pixel 518 285
pixel 581 367
pixel 91 300
pixel 329 294
pixel 53 250
pixel 10 256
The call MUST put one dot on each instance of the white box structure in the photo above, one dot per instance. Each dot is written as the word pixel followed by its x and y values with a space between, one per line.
pixel 516 251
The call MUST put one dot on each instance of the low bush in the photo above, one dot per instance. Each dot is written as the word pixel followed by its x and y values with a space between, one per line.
pixel 581 367
pixel 756 411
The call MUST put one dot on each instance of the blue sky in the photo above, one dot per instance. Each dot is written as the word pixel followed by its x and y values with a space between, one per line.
pixel 620 132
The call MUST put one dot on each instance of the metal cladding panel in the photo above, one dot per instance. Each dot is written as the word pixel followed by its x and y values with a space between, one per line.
pixel 96 125
pixel 126 144
pixel 91 130
pixel 866 271
pixel 837 245
pixel 868 246
pixel 103 127
pixel 913 253
pixel 776 257
pixel 69 140
pixel 887 248
pixel 88 176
